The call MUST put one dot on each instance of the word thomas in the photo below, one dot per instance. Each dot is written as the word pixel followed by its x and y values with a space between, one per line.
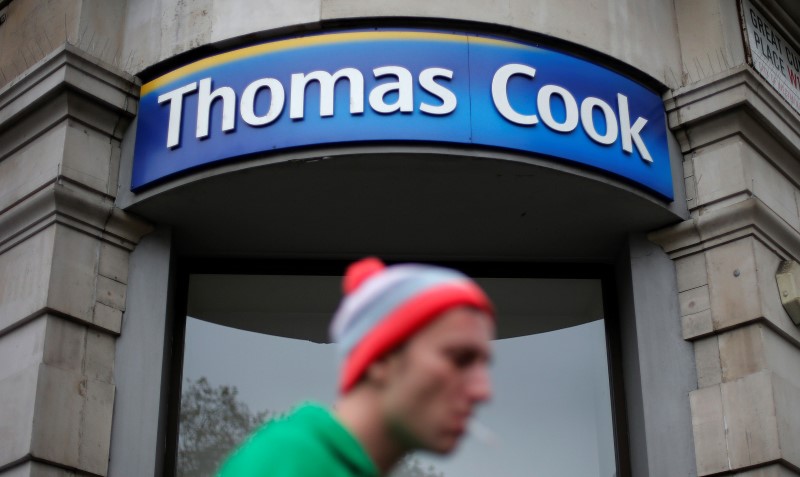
pixel 403 86
pixel 432 80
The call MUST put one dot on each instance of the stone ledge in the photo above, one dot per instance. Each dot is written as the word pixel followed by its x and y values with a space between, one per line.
pixel 737 88
pixel 748 217
pixel 712 233
pixel 30 466
pixel 62 106
pixel 68 67
pixel 71 204
pixel 775 468
pixel 55 313
pixel 60 273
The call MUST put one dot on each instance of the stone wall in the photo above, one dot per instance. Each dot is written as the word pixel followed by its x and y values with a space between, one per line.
pixel 632 31
pixel 741 147
pixel 63 262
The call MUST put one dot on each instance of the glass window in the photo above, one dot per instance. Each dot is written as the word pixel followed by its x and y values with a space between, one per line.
pixel 256 345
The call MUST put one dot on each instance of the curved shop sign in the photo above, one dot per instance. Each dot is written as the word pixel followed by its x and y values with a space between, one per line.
pixel 390 85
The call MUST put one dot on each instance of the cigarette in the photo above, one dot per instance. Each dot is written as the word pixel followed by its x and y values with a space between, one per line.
pixel 483 434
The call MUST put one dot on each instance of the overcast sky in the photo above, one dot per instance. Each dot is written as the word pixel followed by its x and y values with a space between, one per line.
pixel 551 410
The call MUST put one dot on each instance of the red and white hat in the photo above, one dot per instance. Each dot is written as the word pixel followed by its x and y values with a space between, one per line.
pixel 384 306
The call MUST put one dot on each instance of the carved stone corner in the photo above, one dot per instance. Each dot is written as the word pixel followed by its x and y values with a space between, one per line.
pixel 88 80
pixel 127 226
pixel 748 217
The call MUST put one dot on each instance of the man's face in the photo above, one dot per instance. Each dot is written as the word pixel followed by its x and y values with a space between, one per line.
pixel 433 384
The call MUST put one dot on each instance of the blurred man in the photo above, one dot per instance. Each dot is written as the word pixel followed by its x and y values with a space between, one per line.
pixel 414 343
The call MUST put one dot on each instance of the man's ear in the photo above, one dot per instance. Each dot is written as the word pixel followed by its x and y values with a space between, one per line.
pixel 378 371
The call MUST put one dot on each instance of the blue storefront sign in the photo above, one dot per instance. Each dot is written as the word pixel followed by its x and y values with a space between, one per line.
pixel 401 86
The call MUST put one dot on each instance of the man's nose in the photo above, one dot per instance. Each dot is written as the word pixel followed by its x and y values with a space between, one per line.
pixel 480 385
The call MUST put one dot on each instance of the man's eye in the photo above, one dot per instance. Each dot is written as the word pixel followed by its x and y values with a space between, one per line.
pixel 462 359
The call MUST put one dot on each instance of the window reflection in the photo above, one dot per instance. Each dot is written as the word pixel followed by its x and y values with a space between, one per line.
pixel 551 411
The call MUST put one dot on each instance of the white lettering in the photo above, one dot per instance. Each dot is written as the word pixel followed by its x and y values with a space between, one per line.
pixel 175 98
pixel 631 133
pixel 327 82
pixel 204 102
pixel 500 93
pixel 404 87
pixel 401 83
pixel 248 106
pixel 587 120
pixel 543 103
pixel 427 82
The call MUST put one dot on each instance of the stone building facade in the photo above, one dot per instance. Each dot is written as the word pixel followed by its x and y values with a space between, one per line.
pixel 708 360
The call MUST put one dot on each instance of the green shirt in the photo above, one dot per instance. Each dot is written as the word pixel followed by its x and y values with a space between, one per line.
pixel 310 442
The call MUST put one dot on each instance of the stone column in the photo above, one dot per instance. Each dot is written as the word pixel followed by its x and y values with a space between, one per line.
pixel 63 262
pixel 741 148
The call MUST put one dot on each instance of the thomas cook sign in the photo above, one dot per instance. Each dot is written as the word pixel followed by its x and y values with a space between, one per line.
pixel 401 86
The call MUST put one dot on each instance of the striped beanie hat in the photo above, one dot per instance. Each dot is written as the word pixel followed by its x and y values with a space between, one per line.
pixel 383 306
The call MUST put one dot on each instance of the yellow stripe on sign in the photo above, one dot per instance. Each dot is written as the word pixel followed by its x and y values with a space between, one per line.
pixel 316 40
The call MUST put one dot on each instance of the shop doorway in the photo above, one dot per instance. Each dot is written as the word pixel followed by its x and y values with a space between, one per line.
pixel 255 344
